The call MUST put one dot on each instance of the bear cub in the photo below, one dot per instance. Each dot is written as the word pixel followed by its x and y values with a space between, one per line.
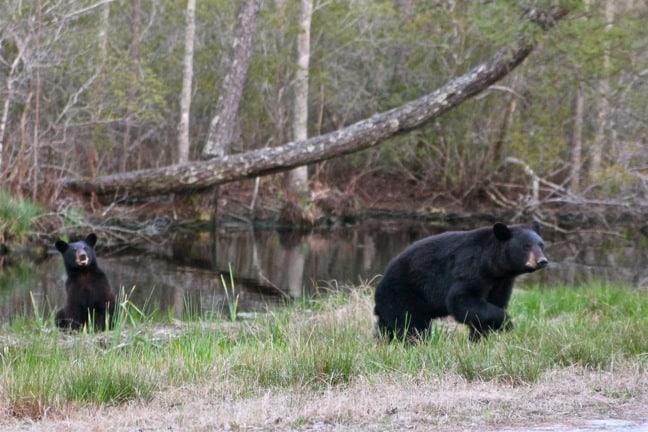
pixel 89 297
pixel 466 274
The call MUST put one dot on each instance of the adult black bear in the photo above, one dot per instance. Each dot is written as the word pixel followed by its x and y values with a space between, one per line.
pixel 466 274
pixel 88 293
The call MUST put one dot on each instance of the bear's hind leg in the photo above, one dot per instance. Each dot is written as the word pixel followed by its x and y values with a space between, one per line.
pixel 60 319
pixel 64 321
pixel 407 322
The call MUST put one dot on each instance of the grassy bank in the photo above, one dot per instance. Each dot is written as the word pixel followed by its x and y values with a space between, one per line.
pixel 16 217
pixel 313 345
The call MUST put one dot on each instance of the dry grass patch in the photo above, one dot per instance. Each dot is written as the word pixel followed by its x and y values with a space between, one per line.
pixel 385 402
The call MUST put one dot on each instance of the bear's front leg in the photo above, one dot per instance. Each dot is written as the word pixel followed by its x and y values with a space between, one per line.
pixel 477 333
pixel 480 316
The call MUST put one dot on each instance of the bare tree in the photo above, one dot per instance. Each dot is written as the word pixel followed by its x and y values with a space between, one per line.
pixel 577 141
pixel 603 114
pixel 33 52
pixel 498 148
pixel 12 77
pixel 37 92
pixel 221 129
pixel 131 93
pixel 296 180
pixel 187 74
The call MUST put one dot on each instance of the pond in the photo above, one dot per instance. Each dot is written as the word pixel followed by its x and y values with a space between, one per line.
pixel 183 274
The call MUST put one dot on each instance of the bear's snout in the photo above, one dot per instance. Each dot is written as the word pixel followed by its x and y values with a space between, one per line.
pixel 536 261
pixel 82 257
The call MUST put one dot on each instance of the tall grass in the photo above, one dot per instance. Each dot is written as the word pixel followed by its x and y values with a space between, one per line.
pixel 231 296
pixel 315 344
pixel 16 215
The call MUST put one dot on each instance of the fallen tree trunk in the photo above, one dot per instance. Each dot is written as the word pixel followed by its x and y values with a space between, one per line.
pixel 353 138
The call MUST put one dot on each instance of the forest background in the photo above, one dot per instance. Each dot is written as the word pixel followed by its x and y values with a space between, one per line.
pixel 90 88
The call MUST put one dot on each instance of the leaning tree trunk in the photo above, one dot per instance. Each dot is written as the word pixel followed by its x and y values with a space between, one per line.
pixel 221 129
pixel 356 137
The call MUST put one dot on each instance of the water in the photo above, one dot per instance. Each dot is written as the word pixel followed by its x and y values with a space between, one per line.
pixel 184 273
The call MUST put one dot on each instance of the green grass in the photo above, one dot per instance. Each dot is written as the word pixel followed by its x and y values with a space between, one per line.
pixel 16 215
pixel 314 344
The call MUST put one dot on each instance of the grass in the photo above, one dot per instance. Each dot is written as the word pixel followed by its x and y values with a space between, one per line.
pixel 16 215
pixel 231 295
pixel 313 344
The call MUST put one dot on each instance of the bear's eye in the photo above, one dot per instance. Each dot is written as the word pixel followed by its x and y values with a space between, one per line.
pixel 527 246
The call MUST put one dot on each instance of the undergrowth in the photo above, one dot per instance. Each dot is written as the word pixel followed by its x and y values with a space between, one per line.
pixel 16 216
pixel 313 344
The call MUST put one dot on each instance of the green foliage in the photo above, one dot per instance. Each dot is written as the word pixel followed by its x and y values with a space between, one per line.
pixel 16 215
pixel 128 313
pixel 72 217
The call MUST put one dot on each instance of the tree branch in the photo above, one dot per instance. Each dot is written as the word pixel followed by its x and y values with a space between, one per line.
pixel 358 136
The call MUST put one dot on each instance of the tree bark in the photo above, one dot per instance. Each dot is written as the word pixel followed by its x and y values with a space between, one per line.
pixel 296 179
pixel 603 109
pixel 577 142
pixel 131 92
pixel 187 75
pixel 221 129
pixel 358 136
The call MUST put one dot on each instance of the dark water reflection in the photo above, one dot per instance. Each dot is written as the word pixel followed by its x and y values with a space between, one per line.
pixel 182 275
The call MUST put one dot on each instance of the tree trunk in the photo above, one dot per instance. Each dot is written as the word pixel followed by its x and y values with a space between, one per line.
pixel 37 92
pixel 296 180
pixel 356 137
pixel 603 114
pixel 9 95
pixel 221 129
pixel 498 149
pixel 131 92
pixel 187 74
pixel 577 142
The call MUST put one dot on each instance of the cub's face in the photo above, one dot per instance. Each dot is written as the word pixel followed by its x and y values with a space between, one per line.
pixel 78 254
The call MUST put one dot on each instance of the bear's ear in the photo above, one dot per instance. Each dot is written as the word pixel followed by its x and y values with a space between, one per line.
pixel 535 226
pixel 91 239
pixel 61 246
pixel 502 232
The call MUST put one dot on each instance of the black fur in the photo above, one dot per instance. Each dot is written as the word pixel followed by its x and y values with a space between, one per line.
pixel 466 274
pixel 88 292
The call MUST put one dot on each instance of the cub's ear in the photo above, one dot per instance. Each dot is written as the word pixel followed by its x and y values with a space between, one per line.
pixel 61 246
pixel 91 239
pixel 502 232
pixel 535 226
